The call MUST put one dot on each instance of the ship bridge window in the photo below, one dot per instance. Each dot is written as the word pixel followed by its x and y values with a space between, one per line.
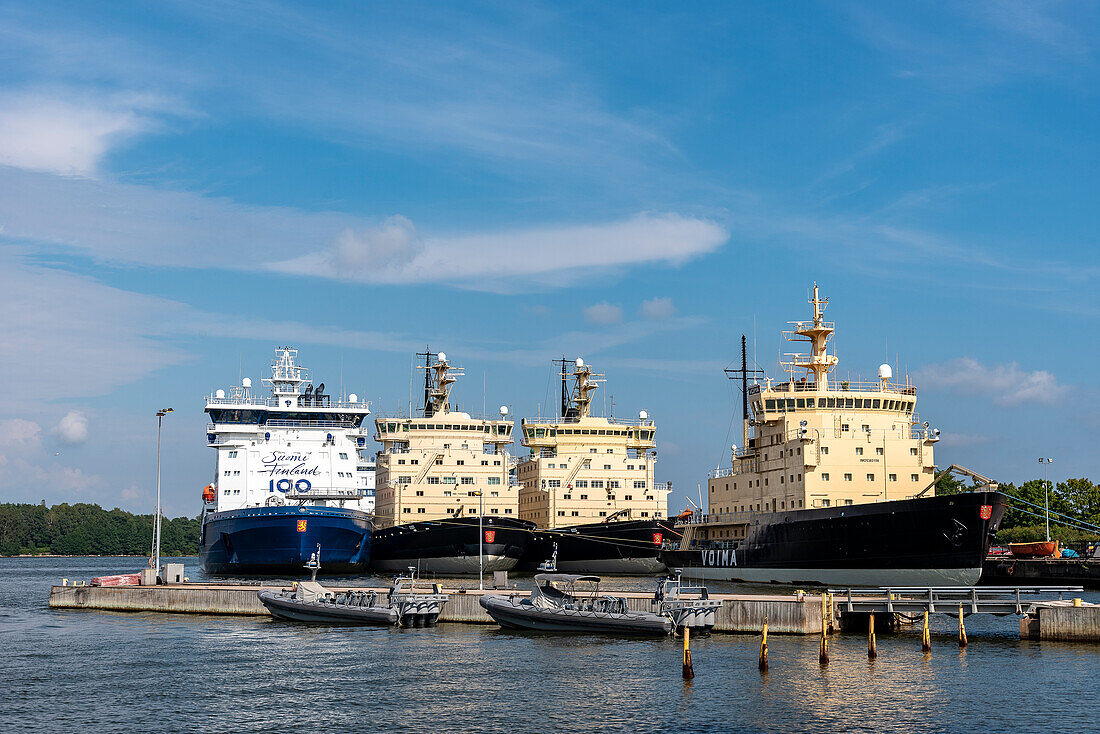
pixel 790 403
pixel 801 403
pixel 876 403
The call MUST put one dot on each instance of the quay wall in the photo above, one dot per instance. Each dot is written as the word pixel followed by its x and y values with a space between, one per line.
pixel 1069 623
pixel 739 613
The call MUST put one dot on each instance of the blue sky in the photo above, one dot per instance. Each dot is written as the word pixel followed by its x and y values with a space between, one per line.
pixel 185 185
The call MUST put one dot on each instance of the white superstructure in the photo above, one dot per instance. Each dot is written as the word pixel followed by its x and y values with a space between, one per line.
pixel 294 445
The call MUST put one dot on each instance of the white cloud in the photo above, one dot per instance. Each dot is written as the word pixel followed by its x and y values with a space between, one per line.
pixel 73 427
pixel 69 336
pixel 553 255
pixel 658 309
pixel 29 473
pixel 67 134
pixel 603 313
pixel 136 224
pixel 1006 383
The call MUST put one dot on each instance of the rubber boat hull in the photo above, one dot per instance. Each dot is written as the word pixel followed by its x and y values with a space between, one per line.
pixel 296 610
pixel 519 616
pixel 622 548
pixel 451 547
pixel 280 540
pixel 932 541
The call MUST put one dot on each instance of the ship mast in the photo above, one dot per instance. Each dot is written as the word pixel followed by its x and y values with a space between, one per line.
pixel 440 378
pixel 818 363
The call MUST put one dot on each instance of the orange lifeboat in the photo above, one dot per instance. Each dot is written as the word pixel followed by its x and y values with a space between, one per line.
pixel 1040 549
pixel 208 494
pixel 685 515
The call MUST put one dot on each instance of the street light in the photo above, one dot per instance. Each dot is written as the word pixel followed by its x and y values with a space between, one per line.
pixel 480 541
pixel 1046 491
pixel 156 521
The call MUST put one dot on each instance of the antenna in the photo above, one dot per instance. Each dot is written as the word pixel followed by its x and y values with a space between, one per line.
pixel 744 374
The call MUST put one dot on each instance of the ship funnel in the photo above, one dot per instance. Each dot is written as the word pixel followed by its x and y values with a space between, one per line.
pixel 884 372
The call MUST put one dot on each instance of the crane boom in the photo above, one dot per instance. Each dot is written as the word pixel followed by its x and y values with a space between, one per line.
pixel 982 481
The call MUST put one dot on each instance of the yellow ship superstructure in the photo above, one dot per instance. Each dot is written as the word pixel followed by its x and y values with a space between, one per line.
pixel 588 469
pixel 816 441
pixel 434 466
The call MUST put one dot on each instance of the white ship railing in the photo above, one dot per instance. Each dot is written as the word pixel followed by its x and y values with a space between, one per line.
pixel 542 421
pixel 834 385
pixel 259 427
pixel 279 402
pixel 716 518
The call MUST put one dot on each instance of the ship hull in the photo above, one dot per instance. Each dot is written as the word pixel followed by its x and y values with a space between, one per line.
pixel 451 547
pixel 280 540
pixel 934 541
pixel 624 548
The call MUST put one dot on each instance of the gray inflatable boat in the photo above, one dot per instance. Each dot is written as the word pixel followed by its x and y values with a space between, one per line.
pixel 569 603
pixel 308 601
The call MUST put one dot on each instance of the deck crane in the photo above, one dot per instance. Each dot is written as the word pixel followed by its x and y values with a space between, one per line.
pixel 982 481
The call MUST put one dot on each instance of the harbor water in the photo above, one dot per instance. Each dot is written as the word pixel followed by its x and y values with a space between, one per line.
pixel 87 671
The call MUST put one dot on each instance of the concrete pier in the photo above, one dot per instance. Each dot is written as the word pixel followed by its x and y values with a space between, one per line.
pixel 786 614
pixel 1062 621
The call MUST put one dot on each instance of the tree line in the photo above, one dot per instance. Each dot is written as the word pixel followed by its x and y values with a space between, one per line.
pixel 1074 509
pixel 84 529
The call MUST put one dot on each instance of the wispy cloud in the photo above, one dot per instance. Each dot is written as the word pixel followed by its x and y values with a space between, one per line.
pixel 603 313
pixel 123 223
pixel 69 133
pixel 1007 384
pixel 658 308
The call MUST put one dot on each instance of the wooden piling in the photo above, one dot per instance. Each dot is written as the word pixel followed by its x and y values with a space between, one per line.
pixel 962 629
pixel 872 651
pixel 926 639
pixel 689 670
pixel 764 648
pixel 823 655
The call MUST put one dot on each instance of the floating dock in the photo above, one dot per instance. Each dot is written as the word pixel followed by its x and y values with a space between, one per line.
pixel 740 613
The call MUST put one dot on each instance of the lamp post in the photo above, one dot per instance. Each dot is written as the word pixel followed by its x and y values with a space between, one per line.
pixel 156 520
pixel 1046 491
pixel 480 540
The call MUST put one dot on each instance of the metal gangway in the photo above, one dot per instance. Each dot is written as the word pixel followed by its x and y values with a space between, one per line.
pixel 910 600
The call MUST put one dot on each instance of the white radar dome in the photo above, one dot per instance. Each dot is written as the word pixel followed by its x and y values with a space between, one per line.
pixel 504 410
pixel 884 372
pixel 219 393
pixel 580 362
pixel 643 414
pixel 442 356
pixel 353 398
pixel 246 382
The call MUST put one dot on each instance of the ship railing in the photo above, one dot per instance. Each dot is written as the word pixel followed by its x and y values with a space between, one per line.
pixel 663 486
pixel 741 467
pixel 716 518
pixel 544 420
pixel 329 493
pixel 280 423
pixel 853 386
pixel 278 402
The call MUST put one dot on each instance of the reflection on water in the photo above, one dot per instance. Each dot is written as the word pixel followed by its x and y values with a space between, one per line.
pixel 92 671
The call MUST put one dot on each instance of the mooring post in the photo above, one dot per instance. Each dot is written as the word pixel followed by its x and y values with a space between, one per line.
pixel 764 647
pixel 872 652
pixel 823 656
pixel 962 629
pixel 689 670
pixel 926 639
